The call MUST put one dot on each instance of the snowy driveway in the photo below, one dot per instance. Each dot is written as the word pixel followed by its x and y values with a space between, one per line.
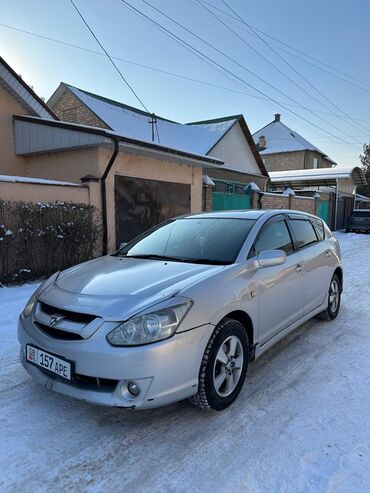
pixel 301 423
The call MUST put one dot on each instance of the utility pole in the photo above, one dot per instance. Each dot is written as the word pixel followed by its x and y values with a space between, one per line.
pixel 153 122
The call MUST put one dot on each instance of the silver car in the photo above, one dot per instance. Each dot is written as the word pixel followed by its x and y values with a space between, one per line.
pixel 180 311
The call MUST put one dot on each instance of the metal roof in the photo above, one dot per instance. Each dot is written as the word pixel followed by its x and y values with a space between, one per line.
pixel 37 135
pixel 299 178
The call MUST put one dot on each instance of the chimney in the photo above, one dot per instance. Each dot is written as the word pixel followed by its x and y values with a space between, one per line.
pixel 277 117
pixel 261 142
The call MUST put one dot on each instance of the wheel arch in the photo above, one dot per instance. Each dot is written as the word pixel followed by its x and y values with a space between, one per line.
pixel 339 272
pixel 246 321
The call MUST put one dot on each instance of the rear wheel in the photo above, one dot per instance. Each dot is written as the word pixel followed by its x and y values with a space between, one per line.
pixel 334 298
pixel 224 366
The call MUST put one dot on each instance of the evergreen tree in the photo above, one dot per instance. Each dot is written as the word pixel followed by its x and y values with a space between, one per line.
pixel 365 162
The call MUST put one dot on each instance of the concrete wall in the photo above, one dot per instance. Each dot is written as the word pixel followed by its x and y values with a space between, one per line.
pixel 70 109
pixel 37 192
pixel 10 164
pixel 64 165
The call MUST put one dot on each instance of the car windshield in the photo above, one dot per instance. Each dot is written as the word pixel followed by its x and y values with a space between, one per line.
pixel 195 240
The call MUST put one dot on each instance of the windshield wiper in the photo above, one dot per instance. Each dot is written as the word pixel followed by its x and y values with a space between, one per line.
pixel 206 261
pixel 152 256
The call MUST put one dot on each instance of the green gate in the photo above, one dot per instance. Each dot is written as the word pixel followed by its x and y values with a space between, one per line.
pixel 323 210
pixel 230 195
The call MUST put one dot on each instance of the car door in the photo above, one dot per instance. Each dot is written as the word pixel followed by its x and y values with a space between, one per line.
pixel 308 236
pixel 279 290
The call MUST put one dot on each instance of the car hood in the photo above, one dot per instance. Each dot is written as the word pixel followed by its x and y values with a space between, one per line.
pixel 118 287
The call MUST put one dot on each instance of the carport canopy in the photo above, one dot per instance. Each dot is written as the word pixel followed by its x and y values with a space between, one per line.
pixel 302 178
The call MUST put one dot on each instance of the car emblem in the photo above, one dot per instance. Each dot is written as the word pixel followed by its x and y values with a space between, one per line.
pixel 55 319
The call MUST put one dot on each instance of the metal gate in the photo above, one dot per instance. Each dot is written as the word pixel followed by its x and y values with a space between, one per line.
pixel 143 203
pixel 230 195
pixel 323 210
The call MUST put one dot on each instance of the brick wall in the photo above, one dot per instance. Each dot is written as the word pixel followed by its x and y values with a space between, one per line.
pixel 70 109
pixel 283 161
pixel 207 199
pixel 262 200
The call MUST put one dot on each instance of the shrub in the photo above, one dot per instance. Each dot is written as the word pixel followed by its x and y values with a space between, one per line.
pixel 39 239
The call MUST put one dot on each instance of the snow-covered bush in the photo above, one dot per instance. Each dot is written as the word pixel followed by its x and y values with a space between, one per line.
pixel 39 239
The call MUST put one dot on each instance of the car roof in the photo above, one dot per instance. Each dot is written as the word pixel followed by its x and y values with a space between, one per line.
pixel 245 213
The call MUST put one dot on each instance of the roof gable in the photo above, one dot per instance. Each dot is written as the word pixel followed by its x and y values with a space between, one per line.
pixel 23 93
pixel 228 123
pixel 280 138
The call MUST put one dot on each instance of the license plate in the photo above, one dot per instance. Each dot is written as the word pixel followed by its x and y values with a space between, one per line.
pixel 49 362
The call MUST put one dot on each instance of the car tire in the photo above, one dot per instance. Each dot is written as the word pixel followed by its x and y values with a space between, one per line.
pixel 334 299
pixel 224 366
pixel 348 230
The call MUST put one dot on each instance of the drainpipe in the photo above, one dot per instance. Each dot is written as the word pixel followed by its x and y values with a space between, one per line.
pixel 104 194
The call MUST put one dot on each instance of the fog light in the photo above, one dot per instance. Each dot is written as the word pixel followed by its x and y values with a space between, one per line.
pixel 134 389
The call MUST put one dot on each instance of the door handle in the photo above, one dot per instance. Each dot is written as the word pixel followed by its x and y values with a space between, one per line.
pixel 299 267
pixel 327 253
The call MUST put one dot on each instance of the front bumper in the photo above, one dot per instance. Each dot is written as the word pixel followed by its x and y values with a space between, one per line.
pixel 166 371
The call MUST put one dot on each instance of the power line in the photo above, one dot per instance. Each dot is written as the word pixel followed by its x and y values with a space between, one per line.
pixel 289 64
pixel 198 52
pixel 155 69
pixel 110 58
pixel 276 68
pixel 293 48
pixel 148 67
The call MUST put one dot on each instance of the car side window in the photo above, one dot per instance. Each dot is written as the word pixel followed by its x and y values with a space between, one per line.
pixel 274 236
pixel 303 232
pixel 319 228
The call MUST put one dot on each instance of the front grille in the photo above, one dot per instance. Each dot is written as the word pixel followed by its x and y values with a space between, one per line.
pixel 94 381
pixel 85 381
pixel 83 318
pixel 59 334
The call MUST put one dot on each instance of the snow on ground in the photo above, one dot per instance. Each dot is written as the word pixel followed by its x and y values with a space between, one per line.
pixel 301 423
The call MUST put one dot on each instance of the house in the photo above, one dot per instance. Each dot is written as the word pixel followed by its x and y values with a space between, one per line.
pixel 134 183
pixel 294 162
pixel 283 149
pixel 227 138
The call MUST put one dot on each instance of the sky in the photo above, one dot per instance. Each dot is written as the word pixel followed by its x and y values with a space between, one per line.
pixel 328 104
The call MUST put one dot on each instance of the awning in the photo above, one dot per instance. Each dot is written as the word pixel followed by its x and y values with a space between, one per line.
pixel 302 178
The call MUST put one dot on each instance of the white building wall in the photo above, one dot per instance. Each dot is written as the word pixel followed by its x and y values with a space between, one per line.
pixel 234 150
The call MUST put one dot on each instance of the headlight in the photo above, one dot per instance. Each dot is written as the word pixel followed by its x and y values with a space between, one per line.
pixel 150 327
pixel 31 302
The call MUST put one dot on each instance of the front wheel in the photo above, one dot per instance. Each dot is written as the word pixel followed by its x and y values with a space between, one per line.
pixel 224 366
pixel 334 298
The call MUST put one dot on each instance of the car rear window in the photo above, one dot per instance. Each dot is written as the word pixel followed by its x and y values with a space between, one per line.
pixel 303 232
pixel 319 228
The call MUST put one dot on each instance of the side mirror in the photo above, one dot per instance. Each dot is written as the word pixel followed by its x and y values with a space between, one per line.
pixel 270 258
pixel 122 245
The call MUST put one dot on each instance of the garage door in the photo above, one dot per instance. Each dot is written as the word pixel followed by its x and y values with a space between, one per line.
pixel 141 204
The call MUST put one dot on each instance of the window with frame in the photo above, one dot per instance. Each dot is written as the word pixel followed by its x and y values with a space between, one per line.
pixel 274 236
pixel 319 228
pixel 303 231
pixel 315 162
